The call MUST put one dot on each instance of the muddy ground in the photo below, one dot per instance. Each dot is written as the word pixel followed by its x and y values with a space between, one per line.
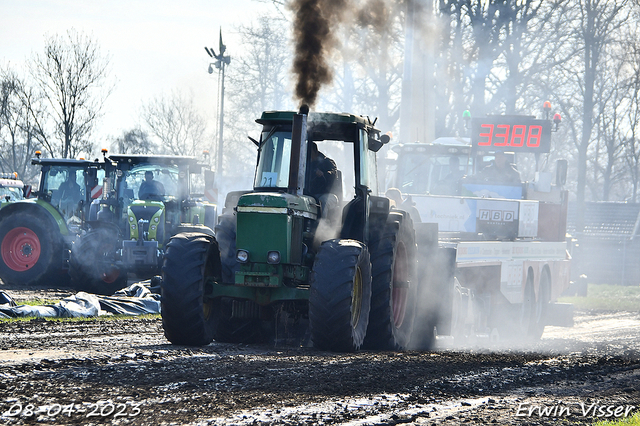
pixel 125 372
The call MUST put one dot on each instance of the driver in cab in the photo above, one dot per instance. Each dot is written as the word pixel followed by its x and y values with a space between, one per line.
pixel 150 189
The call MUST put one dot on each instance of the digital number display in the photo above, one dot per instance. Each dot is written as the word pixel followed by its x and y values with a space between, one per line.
pixel 511 133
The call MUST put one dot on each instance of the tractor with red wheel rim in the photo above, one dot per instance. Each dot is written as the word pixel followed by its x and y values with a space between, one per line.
pixel 36 233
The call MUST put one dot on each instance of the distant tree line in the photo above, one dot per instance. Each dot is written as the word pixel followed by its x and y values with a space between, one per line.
pixel 491 57
pixel 55 105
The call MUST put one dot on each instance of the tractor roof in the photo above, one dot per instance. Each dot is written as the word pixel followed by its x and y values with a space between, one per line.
pixel 433 148
pixel 321 125
pixel 69 162
pixel 11 183
pixel 287 116
pixel 168 160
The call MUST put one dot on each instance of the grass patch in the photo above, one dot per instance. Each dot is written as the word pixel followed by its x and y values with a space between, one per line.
pixel 606 297
pixel 629 421
pixel 38 302
pixel 103 318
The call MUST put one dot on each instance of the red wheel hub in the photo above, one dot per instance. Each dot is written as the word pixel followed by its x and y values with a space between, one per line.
pixel 110 275
pixel 21 249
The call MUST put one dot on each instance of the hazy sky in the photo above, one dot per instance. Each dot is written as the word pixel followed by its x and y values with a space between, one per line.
pixel 155 46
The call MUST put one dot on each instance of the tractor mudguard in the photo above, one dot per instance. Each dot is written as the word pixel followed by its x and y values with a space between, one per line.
pixel 38 208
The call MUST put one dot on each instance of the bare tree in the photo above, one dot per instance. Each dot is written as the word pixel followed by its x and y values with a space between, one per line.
pixel 176 123
pixel 258 80
pixel 595 28
pixel 134 141
pixel 493 56
pixel 72 77
pixel 632 123
pixel 17 141
pixel 373 63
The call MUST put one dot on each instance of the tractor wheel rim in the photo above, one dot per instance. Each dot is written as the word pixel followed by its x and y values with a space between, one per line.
pixel 356 298
pixel 400 292
pixel 21 249
pixel 206 310
pixel 110 275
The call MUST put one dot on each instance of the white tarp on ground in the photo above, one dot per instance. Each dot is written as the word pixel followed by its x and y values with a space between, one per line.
pixel 136 299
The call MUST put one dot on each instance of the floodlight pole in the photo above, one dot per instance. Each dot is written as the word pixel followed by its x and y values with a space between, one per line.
pixel 221 62
pixel 220 141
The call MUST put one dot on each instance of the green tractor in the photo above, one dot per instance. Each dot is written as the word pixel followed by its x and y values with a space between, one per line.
pixel 146 199
pixel 341 262
pixel 36 233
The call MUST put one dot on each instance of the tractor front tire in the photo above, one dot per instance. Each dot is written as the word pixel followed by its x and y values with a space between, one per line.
pixel 30 251
pixel 340 296
pixel 190 260
pixel 91 263
pixel 394 287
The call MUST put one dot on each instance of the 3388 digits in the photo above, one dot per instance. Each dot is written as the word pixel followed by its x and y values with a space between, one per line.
pixel 96 409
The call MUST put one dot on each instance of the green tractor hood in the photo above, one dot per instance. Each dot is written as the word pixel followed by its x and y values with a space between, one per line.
pixel 273 222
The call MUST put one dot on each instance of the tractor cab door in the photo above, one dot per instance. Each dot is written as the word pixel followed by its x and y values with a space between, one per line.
pixel 355 224
pixel 64 187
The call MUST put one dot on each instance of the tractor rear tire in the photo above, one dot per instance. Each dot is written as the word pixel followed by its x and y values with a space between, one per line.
pixel 394 287
pixel 340 297
pixel 92 263
pixel 30 251
pixel 190 260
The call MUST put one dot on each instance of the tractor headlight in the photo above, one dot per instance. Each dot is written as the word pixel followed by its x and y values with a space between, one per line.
pixel 242 256
pixel 273 257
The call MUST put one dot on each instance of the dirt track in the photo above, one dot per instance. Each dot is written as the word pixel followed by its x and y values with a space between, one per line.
pixel 125 372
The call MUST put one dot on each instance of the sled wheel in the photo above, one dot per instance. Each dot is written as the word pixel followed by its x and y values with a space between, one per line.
pixel 92 263
pixel 528 307
pixel 28 251
pixel 190 260
pixel 541 307
pixel 340 296
pixel 393 294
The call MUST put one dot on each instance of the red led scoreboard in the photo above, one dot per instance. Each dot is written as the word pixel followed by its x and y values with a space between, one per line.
pixel 510 133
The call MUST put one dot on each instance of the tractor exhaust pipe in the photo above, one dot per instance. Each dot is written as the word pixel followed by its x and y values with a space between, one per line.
pixel 298 165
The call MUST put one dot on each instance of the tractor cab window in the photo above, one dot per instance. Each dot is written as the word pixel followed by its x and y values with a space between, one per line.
pixel 368 171
pixel 65 187
pixel 341 153
pixel 149 182
pixel 13 193
pixel 424 173
pixel 273 165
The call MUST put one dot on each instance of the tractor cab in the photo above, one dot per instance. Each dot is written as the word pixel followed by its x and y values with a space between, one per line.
pixel 11 188
pixel 162 192
pixel 332 163
pixel 146 199
pixel 69 186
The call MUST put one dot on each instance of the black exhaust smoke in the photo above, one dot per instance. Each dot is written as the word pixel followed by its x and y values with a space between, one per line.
pixel 314 22
pixel 315 25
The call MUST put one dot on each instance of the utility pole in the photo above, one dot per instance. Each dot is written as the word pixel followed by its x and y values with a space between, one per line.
pixel 220 64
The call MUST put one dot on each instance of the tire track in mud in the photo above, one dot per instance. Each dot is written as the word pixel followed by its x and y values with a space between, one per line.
pixel 129 362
